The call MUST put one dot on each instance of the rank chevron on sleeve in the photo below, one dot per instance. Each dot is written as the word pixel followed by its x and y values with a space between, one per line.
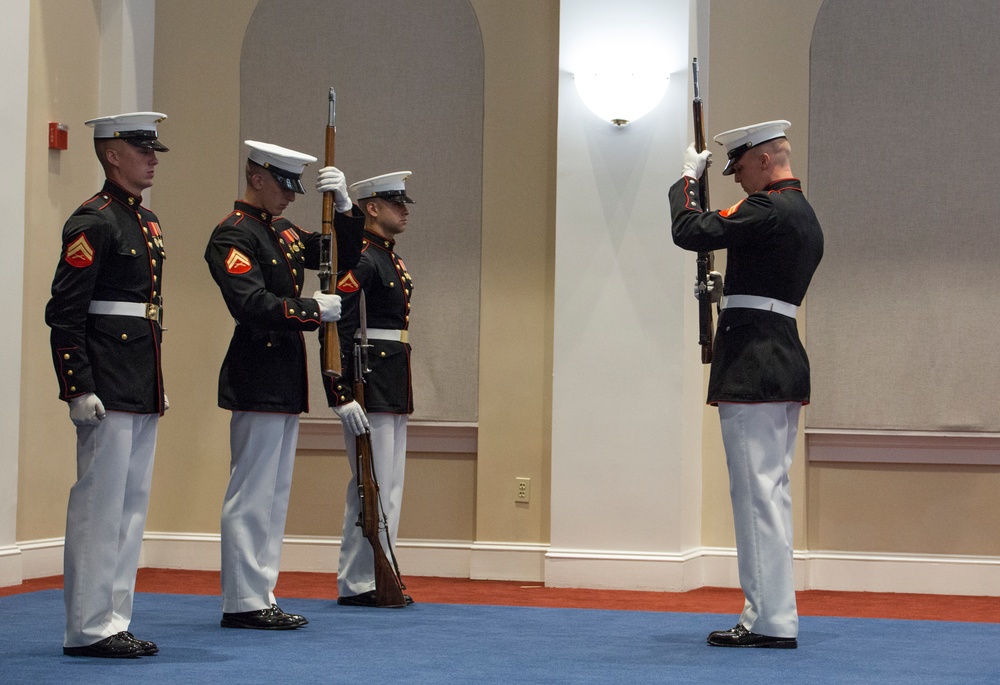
pixel 79 253
pixel 348 283
pixel 237 262
pixel 732 210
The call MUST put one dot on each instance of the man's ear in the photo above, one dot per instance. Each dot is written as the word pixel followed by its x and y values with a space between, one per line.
pixel 111 156
pixel 257 181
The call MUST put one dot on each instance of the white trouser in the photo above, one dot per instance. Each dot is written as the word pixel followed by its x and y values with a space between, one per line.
pixel 356 570
pixel 255 507
pixel 104 524
pixel 760 442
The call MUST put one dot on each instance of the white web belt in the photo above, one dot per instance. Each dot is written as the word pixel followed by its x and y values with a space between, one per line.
pixel 139 309
pixel 757 302
pixel 385 334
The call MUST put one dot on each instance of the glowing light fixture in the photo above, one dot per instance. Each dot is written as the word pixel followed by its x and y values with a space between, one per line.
pixel 621 95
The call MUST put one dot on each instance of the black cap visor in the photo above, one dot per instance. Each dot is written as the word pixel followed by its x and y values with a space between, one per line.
pixel 397 196
pixel 734 156
pixel 146 139
pixel 287 180
pixel 737 152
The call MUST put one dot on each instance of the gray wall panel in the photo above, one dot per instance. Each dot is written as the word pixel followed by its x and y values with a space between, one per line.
pixel 409 83
pixel 903 312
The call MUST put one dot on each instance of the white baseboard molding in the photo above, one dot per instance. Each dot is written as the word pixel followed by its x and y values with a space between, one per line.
pixel 623 570
pixel 931 574
pixel 719 568
pixel 444 558
pixel 508 561
pixel 41 558
pixel 11 565
pixel 441 558
pixel 925 574
pixel 539 563
pixel 187 551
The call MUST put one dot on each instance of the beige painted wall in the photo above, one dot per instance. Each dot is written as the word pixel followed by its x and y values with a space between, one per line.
pixel 519 188
pixel 447 496
pixel 196 83
pixel 759 70
pixel 63 74
pixel 904 508
pixel 195 188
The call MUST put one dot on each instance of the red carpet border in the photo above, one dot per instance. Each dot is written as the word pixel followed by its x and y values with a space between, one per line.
pixel 304 585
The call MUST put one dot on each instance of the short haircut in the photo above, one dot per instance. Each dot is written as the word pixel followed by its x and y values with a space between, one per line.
pixel 101 147
pixel 253 168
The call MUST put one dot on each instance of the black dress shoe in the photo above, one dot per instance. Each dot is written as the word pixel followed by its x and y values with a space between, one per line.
pixel 741 637
pixel 299 619
pixel 148 648
pixel 115 647
pixel 271 618
pixel 366 599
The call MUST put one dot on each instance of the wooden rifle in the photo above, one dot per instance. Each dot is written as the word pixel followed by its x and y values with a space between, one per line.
pixel 328 252
pixel 705 261
pixel 372 519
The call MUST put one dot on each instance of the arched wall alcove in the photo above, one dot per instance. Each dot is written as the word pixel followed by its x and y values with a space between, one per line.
pixel 409 91
pixel 902 174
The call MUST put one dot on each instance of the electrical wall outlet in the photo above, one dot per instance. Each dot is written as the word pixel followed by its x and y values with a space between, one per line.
pixel 522 490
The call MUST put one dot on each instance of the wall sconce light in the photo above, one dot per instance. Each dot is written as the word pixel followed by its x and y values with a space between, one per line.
pixel 621 95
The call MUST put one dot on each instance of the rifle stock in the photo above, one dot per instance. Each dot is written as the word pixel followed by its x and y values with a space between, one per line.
pixel 706 260
pixel 388 585
pixel 328 252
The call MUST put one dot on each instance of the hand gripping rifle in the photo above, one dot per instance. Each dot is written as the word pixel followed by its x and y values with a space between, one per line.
pixel 705 260
pixel 328 252
pixel 372 519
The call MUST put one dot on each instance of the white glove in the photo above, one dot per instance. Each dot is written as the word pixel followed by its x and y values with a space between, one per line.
pixel 331 180
pixel 329 306
pixel 353 417
pixel 714 286
pixel 166 402
pixel 695 162
pixel 86 410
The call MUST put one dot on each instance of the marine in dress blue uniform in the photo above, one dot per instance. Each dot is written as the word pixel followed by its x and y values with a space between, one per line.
pixel 258 259
pixel 382 275
pixel 759 377
pixel 105 318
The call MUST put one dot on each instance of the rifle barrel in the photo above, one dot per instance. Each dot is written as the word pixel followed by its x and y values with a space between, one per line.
pixel 705 260
pixel 328 251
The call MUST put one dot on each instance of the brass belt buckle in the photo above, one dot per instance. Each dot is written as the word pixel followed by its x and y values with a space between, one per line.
pixel 153 312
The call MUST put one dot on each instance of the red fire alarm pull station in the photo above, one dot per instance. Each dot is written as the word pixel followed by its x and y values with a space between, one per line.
pixel 58 136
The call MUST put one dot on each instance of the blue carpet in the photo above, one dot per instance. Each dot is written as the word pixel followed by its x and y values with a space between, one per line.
pixel 441 643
